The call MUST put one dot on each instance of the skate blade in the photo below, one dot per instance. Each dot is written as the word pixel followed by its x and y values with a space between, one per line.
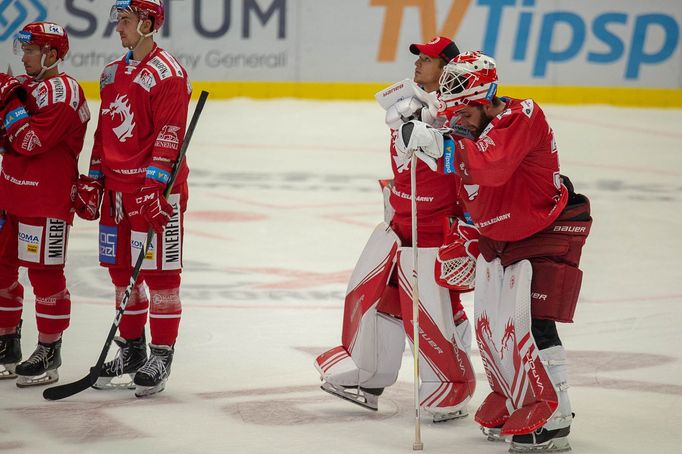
pixel 493 433
pixel 553 445
pixel 146 391
pixel 50 376
pixel 452 416
pixel 356 398
pixel 108 383
pixel 7 371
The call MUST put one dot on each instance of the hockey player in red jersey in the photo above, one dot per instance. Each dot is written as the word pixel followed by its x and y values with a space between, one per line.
pixel 378 307
pixel 533 227
pixel 43 118
pixel 145 97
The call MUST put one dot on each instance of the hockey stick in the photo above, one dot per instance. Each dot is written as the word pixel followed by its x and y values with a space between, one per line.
pixel 417 445
pixel 69 389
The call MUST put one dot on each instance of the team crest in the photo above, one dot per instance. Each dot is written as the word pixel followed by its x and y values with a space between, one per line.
pixel 120 110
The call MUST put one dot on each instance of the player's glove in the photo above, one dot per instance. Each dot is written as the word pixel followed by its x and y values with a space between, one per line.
pixel 9 87
pixel 421 139
pixel 154 207
pixel 456 258
pixel 88 197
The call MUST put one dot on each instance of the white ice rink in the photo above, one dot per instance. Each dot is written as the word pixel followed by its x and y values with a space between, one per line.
pixel 283 196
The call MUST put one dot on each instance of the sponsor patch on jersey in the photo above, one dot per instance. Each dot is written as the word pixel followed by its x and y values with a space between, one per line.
pixel 31 141
pixel 58 90
pixel 30 242
pixel 484 143
pixel 527 107
pixel 472 191
pixel 75 94
pixel 486 130
pixel 108 77
pixel 56 233
pixel 108 241
pixel 162 69
pixel 173 62
pixel 448 155
pixel 42 95
pixel 145 79
pixel 84 113
pixel 172 238
pixel 168 137
pixel 137 242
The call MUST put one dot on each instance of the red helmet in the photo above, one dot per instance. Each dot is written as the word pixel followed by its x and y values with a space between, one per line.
pixel 145 9
pixel 470 78
pixel 47 35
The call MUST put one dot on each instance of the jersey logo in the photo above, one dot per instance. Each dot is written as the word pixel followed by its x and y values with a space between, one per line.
pixel 41 95
pixel 120 108
pixel 472 190
pixel 527 107
pixel 168 137
pixel 145 79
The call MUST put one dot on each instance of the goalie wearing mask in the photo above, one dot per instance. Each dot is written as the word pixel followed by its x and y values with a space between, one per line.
pixel 378 305
pixel 533 227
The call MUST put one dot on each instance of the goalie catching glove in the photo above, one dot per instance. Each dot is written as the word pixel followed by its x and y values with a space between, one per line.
pixel 456 258
pixel 421 139
pixel 410 109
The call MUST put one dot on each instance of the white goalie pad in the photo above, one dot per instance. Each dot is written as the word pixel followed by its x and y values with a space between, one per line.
pixel 447 377
pixel 372 342
pixel 515 372
pixel 405 89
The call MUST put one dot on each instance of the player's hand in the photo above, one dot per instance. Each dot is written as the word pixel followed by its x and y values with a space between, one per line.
pixel 88 197
pixel 154 207
pixel 416 137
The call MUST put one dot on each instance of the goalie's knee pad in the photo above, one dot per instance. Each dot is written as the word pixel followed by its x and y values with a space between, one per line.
pixel 372 341
pixel 447 377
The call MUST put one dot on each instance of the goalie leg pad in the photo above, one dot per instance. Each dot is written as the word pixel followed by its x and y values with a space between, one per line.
pixel 447 376
pixel 372 341
pixel 533 397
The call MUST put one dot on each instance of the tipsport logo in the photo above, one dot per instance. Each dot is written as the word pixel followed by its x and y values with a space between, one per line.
pixel 14 14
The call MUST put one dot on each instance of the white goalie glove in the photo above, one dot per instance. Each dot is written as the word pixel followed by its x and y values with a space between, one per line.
pixel 421 139
pixel 411 109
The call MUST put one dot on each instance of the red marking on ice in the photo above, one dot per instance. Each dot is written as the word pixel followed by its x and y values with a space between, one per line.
pixel 634 168
pixel 345 219
pixel 225 216
pixel 297 279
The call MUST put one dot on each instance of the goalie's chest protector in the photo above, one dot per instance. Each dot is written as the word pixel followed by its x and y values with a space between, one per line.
pixel 133 101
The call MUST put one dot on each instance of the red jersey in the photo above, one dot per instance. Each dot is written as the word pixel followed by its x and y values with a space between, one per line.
pixel 40 166
pixel 436 198
pixel 142 120
pixel 510 175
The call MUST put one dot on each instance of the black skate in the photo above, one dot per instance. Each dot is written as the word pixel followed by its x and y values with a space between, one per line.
pixel 41 367
pixel 118 373
pixel 365 397
pixel 151 378
pixel 542 440
pixel 10 353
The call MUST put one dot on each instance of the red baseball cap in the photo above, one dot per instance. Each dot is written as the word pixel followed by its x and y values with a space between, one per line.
pixel 438 47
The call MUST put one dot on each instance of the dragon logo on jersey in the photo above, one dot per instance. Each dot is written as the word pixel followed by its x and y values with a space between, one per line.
pixel 120 108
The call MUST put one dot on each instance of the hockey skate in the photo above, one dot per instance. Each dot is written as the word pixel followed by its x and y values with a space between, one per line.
pixel 152 376
pixel 450 416
pixel 131 355
pixel 41 367
pixel 493 433
pixel 365 397
pixel 542 440
pixel 10 354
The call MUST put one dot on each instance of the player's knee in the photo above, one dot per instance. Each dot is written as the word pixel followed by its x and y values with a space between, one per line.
pixel 47 281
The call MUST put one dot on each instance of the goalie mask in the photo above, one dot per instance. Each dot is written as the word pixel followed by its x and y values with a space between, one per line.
pixel 46 35
pixel 469 79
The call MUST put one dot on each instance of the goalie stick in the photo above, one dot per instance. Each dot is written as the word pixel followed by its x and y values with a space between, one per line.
pixel 69 389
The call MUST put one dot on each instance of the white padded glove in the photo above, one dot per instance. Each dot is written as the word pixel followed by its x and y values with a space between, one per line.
pixel 421 139
pixel 403 111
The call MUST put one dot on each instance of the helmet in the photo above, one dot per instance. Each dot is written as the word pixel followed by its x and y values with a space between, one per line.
pixel 145 9
pixel 470 78
pixel 47 35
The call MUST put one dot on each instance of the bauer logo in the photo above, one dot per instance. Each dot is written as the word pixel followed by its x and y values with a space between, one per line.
pixel 14 14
